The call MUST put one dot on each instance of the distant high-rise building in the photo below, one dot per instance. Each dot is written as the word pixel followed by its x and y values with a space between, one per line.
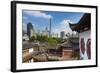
pixel 30 30
pixel 45 32
pixel 62 34
pixel 54 35
pixel 25 37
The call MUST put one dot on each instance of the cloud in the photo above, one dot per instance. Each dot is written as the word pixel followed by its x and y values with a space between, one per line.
pixel 24 17
pixel 38 14
pixel 63 26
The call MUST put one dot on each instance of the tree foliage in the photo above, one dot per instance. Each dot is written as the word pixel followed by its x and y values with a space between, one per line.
pixel 49 40
pixel 32 39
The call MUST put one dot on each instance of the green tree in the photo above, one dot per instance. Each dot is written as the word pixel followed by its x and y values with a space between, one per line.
pixel 32 39
pixel 52 41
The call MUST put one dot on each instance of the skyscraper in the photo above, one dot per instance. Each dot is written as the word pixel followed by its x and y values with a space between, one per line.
pixel 62 34
pixel 45 32
pixel 30 30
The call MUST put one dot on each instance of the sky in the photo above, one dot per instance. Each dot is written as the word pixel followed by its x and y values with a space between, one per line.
pixel 59 20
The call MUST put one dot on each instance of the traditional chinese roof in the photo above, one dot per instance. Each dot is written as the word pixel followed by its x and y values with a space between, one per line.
pixel 66 44
pixel 83 25
pixel 27 45
pixel 69 43
pixel 74 39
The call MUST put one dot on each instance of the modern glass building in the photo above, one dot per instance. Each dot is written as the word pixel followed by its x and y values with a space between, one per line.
pixel 29 30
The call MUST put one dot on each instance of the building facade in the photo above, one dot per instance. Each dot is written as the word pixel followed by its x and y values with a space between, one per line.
pixel 45 32
pixel 83 27
pixel 62 34
pixel 30 30
pixel 25 37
